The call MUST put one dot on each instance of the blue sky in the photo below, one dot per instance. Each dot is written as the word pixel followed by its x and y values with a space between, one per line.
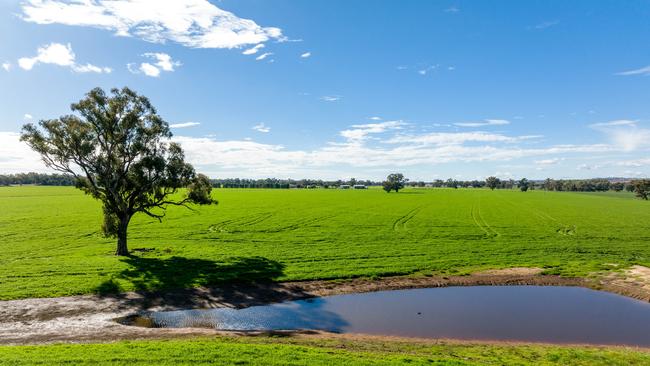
pixel 339 89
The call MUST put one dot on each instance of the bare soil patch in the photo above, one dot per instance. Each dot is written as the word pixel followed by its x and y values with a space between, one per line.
pixel 633 282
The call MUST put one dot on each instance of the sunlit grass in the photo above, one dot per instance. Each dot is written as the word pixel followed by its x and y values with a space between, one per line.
pixel 51 243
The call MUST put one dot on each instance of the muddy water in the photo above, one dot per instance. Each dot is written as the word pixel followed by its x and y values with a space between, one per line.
pixel 504 313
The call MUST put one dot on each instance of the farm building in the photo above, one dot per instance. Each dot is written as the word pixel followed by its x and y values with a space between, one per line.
pixel 344 186
pixel 360 186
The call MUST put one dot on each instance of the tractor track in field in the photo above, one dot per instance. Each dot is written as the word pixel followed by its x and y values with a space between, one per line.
pixel 563 229
pixel 400 223
pixel 480 221
pixel 243 221
pixel 297 225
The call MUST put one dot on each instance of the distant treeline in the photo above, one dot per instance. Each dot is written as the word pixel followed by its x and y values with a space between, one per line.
pixel 285 183
pixel 571 185
pixel 37 178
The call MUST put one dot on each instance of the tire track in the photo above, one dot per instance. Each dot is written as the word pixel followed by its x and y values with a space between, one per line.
pixel 400 223
pixel 480 221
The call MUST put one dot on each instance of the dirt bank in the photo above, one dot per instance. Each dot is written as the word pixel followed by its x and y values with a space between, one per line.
pixel 91 317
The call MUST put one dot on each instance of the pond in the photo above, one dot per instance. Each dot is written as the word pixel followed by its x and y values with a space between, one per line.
pixel 503 313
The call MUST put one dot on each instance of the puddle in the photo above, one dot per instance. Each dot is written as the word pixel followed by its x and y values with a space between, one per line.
pixel 505 313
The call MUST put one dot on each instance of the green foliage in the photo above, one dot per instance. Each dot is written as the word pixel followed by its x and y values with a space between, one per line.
pixel 118 149
pixel 394 182
pixel 300 351
pixel 52 245
pixel 523 184
pixel 641 188
pixel 492 182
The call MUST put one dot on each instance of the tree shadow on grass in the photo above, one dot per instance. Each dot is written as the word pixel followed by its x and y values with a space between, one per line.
pixel 177 282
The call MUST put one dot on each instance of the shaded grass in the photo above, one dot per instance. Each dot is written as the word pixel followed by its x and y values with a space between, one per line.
pixel 292 351
pixel 51 245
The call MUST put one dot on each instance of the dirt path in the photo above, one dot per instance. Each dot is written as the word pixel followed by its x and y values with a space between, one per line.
pixel 91 318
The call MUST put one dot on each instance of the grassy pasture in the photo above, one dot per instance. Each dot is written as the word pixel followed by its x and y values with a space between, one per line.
pixel 51 243
pixel 288 351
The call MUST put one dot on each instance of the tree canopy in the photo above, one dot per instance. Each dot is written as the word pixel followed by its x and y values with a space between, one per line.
pixel 492 182
pixel 119 151
pixel 642 188
pixel 394 182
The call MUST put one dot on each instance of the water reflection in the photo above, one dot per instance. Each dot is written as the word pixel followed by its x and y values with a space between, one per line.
pixel 518 313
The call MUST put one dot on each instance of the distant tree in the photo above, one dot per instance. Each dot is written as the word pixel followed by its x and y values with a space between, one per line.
pixel 492 182
pixel 353 181
pixel 523 184
pixel 642 188
pixel 118 149
pixel 394 182
pixel 617 186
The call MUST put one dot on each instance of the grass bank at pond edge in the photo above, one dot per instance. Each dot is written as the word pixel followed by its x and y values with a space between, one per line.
pixel 316 351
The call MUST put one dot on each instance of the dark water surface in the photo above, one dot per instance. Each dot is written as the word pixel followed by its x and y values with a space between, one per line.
pixel 516 313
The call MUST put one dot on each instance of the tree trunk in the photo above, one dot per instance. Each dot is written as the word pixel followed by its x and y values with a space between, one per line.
pixel 122 248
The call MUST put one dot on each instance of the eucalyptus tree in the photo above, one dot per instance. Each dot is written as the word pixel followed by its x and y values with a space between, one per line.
pixel 119 151
pixel 395 181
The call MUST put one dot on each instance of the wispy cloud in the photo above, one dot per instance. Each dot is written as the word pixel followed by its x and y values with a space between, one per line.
pixel 184 124
pixel 6 65
pixel 305 55
pixel 362 131
pixel 544 25
pixel 487 122
pixel 552 161
pixel 253 50
pixel 452 9
pixel 642 71
pixel 61 55
pixel 331 98
pixel 27 116
pixel 374 118
pixel 162 62
pixel 263 56
pixel 192 23
pixel 261 127
pixel 625 134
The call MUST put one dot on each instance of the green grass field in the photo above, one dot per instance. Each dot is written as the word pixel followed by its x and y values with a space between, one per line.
pixel 51 242
pixel 279 351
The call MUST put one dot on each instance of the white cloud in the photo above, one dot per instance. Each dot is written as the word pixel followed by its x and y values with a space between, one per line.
pixel 253 50
pixel 625 134
pixel 192 23
pixel 452 9
pixel 6 65
pixel 452 138
pixel 306 55
pixel 27 116
pixel 487 122
pixel 375 118
pixel 331 98
pixel 641 71
pixel 261 128
pixel 361 131
pixel 163 62
pixel 618 122
pixel 588 167
pixel 149 69
pixel 552 161
pixel 184 125
pixel 17 157
pixel 61 55
pixel 634 163
pixel 372 148
pixel 263 56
